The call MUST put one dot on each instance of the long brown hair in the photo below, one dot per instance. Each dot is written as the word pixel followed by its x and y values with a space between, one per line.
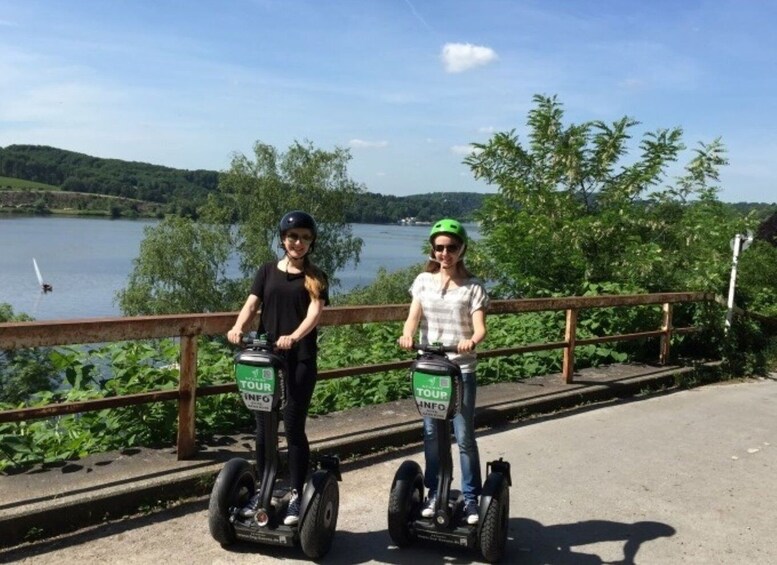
pixel 315 279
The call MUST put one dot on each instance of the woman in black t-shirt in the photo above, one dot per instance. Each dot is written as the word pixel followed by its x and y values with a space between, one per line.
pixel 292 293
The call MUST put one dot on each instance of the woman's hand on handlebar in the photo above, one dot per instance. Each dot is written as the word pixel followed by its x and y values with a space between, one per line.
pixel 465 346
pixel 405 342
pixel 235 335
pixel 285 342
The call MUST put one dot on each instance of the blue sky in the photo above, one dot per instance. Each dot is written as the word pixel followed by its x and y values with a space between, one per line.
pixel 407 85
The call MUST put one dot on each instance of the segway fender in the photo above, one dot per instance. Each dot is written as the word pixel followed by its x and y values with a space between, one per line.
pixel 502 467
pixel 330 463
pixel 314 485
pixel 498 474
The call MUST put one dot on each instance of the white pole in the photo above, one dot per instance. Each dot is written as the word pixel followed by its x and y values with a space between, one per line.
pixel 732 283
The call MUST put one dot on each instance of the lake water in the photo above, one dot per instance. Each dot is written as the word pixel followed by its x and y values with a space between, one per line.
pixel 88 260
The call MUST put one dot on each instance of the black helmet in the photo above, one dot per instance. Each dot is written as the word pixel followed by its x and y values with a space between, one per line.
pixel 297 219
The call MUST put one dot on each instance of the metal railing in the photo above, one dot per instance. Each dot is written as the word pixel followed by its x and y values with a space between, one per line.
pixel 188 327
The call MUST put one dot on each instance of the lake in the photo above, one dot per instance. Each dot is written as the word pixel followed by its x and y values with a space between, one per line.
pixel 87 260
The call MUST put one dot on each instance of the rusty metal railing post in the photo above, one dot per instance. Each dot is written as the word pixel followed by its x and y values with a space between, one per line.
pixel 187 397
pixel 666 339
pixel 570 334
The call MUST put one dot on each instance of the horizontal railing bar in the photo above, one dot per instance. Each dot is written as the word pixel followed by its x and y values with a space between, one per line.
pixel 62 408
pixel 506 351
pixel 98 330
pixel 16 335
pixel 619 337
pixel 598 301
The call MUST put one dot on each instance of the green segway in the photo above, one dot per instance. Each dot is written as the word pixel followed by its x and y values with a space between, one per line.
pixel 260 372
pixel 437 388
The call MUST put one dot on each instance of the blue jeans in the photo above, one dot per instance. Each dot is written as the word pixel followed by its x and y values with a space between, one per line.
pixel 464 429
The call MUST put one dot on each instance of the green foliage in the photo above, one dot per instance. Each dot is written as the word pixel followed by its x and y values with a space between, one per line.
pixel 255 194
pixel 182 263
pixel 7 314
pixel 573 208
pixel 365 344
pixel 387 288
pixel 76 172
pixel 369 208
pixel 10 183
pixel 757 279
pixel 176 191
pixel 22 371
pixel 759 210
pixel 182 267
pixel 354 345
pixel 745 348
pixel 112 370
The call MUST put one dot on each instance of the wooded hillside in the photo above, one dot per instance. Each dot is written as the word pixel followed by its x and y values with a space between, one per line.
pixel 182 191
pixel 77 172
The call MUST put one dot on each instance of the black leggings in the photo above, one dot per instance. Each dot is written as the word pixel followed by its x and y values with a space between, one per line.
pixel 300 385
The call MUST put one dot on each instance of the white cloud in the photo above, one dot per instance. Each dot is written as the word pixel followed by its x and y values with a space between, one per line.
pixel 361 143
pixel 464 150
pixel 487 129
pixel 460 57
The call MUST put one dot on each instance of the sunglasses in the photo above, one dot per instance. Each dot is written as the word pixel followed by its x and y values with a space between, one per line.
pixel 291 236
pixel 450 248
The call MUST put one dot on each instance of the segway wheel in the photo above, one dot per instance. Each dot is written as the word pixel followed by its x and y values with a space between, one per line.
pixel 493 530
pixel 405 499
pixel 234 487
pixel 320 521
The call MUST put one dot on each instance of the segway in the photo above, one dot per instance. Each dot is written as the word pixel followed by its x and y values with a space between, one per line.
pixel 437 389
pixel 260 373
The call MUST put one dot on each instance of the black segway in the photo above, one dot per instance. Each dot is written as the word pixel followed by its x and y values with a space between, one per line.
pixel 437 387
pixel 261 380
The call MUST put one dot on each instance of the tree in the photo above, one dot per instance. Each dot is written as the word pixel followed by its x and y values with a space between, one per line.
pixel 254 196
pixel 573 208
pixel 182 266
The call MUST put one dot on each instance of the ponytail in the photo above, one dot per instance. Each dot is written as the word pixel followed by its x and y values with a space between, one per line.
pixel 315 280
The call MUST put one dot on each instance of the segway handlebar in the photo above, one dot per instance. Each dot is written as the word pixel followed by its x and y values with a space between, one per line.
pixel 251 339
pixel 436 348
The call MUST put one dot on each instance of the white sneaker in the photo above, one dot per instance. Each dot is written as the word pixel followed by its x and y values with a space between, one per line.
pixel 471 512
pixel 428 509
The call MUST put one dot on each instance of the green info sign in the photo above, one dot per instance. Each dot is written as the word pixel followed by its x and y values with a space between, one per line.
pixel 432 394
pixel 256 386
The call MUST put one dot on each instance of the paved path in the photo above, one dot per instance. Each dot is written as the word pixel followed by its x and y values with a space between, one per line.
pixel 687 477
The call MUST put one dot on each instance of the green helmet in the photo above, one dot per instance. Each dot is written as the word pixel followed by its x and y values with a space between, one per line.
pixel 448 226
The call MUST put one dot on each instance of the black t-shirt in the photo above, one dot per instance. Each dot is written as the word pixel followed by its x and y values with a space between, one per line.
pixel 285 304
